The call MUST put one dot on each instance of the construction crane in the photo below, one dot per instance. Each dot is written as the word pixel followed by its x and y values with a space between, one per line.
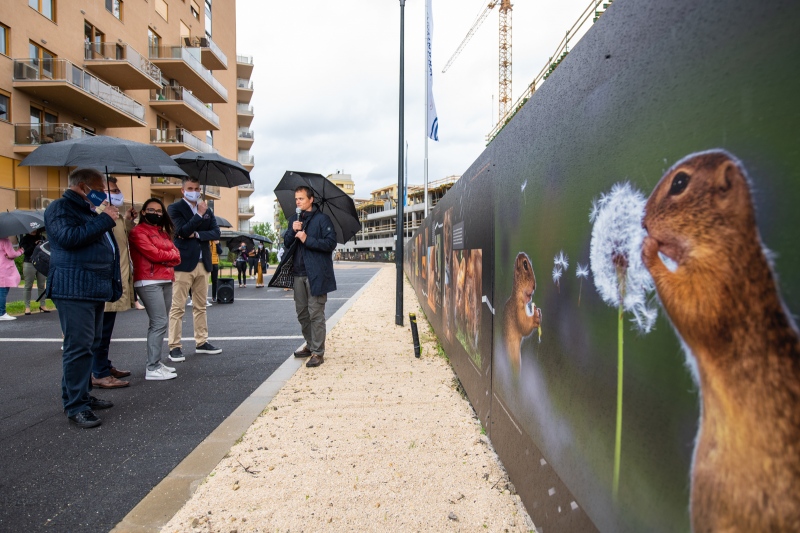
pixel 504 91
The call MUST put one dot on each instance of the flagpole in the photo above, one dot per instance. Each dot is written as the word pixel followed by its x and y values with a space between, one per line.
pixel 425 164
pixel 399 226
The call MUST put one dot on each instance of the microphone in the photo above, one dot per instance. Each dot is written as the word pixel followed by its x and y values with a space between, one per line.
pixel 298 211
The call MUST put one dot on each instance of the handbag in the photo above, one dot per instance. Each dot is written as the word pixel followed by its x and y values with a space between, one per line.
pixel 283 276
pixel 40 258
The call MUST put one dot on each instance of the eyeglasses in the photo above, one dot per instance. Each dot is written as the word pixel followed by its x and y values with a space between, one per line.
pixel 154 211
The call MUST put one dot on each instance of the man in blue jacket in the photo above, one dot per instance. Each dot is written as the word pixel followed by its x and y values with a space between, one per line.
pixel 313 271
pixel 84 274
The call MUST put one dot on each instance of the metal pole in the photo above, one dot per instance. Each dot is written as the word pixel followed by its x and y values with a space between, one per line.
pixel 425 122
pixel 400 230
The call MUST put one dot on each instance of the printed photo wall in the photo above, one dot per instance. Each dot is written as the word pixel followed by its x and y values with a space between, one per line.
pixel 641 276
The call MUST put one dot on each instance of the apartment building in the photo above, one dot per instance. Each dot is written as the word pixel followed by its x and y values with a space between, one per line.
pixel 163 72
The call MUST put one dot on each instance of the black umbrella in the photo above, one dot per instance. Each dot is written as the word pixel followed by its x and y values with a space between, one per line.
pixel 257 237
pixel 329 198
pixel 212 169
pixel 20 222
pixel 114 155
pixel 235 241
pixel 223 223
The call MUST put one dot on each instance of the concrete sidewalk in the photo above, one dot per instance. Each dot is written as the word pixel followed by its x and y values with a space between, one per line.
pixel 374 439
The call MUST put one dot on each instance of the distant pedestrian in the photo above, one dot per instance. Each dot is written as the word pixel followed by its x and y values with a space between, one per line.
pixel 241 265
pixel 262 256
pixel 154 257
pixel 9 275
pixel 195 226
pixel 28 244
pixel 216 250
pixel 84 274
pixel 252 261
pixel 314 238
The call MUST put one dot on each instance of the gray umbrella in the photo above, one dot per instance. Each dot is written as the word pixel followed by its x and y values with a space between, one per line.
pixel 20 222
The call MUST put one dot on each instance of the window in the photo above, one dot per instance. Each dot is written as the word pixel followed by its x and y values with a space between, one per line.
pixel 45 57
pixel 45 7
pixel 115 8
pixel 208 18
pixel 3 39
pixel 162 9
pixel 195 9
pixel 186 33
pixel 93 39
pixel 5 106
pixel 154 42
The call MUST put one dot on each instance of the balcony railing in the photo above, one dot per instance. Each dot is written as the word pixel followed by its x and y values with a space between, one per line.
pixel 244 84
pixel 61 70
pixel 176 182
pixel 39 133
pixel 122 52
pixel 208 43
pixel 191 56
pixel 178 94
pixel 247 210
pixel 248 186
pixel 244 109
pixel 180 135
pixel 246 134
pixel 247 159
pixel 244 59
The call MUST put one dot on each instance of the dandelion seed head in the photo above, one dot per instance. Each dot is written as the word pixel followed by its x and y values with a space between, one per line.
pixel 617 237
pixel 556 274
pixel 561 260
pixel 524 184
pixel 582 271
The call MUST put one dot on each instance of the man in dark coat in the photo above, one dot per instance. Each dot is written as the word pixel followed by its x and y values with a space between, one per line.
pixel 313 271
pixel 84 274
pixel 195 227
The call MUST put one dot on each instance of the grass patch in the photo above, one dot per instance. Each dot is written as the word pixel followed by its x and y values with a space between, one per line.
pixel 18 308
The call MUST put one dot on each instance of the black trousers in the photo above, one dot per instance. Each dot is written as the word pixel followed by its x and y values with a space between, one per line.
pixel 241 266
pixel 214 277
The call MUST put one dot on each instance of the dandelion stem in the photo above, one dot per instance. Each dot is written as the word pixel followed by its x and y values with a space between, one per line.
pixel 618 436
pixel 580 288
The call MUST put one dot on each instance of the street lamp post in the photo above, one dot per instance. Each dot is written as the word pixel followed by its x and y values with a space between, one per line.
pixel 400 227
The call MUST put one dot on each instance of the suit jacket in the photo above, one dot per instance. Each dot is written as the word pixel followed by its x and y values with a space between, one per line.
pixel 186 224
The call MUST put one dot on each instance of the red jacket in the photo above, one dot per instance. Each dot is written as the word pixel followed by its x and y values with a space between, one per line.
pixel 153 253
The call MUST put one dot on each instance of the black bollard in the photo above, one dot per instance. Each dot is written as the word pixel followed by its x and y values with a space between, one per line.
pixel 413 319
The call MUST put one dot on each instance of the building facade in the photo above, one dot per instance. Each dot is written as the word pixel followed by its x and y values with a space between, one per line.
pixel 162 72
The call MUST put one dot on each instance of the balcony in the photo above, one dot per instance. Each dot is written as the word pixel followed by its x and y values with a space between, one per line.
pixel 173 186
pixel 247 161
pixel 28 137
pixel 244 67
pixel 248 211
pixel 244 91
pixel 64 84
pixel 245 115
pixel 246 190
pixel 184 64
pixel 211 55
pixel 184 108
pixel 121 65
pixel 245 139
pixel 178 140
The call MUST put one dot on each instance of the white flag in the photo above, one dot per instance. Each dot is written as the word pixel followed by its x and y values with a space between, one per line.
pixel 433 119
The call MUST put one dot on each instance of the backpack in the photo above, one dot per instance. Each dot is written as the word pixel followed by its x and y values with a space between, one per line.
pixel 40 258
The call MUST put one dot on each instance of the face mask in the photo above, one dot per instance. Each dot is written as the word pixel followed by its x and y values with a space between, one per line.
pixel 192 196
pixel 260 246
pixel 96 197
pixel 116 199
pixel 153 218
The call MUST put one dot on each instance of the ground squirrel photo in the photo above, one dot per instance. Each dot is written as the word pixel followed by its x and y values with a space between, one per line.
pixel 520 315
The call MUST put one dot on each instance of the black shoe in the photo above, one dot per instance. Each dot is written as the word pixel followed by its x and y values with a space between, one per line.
pixel 85 420
pixel 97 403
pixel 305 352
pixel 176 355
pixel 206 347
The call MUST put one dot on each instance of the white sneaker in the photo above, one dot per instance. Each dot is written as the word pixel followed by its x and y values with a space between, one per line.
pixel 6 316
pixel 189 301
pixel 167 368
pixel 159 375
pixel 208 304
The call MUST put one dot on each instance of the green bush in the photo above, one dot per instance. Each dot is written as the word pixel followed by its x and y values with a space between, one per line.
pixel 18 262
pixel 273 258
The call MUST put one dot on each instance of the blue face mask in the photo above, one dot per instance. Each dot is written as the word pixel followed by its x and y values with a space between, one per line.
pixel 96 197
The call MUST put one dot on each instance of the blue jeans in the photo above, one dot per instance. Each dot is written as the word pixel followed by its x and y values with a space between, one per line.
pixel 82 325
pixel 101 368
pixel 3 295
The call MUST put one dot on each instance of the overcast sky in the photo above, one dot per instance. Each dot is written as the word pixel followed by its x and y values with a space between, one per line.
pixel 326 84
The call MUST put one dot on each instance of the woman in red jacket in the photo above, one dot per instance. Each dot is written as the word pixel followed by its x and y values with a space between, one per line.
pixel 154 257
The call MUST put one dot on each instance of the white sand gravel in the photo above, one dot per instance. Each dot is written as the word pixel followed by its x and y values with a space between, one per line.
pixel 372 440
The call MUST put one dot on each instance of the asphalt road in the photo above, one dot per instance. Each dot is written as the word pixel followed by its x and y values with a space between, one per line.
pixel 56 477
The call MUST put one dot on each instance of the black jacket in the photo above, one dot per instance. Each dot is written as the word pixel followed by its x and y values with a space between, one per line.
pixel 186 224
pixel 317 251
pixel 83 263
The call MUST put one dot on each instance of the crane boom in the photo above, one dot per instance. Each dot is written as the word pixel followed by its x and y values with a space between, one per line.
pixel 481 17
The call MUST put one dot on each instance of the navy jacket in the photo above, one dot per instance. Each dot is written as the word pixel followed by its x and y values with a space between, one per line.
pixel 317 251
pixel 186 223
pixel 83 263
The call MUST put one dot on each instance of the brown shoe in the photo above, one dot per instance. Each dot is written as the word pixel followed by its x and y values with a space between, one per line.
pixel 120 373
pixel 315 360
pixel 305 352
pixel 108 382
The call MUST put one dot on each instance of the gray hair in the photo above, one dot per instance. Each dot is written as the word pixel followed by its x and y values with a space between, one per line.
pixel 84 175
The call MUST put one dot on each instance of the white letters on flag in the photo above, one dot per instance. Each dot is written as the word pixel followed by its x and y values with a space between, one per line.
pixel 433 119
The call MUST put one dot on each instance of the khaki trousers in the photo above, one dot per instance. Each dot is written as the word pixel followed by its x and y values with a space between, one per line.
pixel 197 280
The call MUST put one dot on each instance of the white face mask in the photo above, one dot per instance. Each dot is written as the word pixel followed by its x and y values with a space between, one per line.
pixel 116 199
pixel 192 196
